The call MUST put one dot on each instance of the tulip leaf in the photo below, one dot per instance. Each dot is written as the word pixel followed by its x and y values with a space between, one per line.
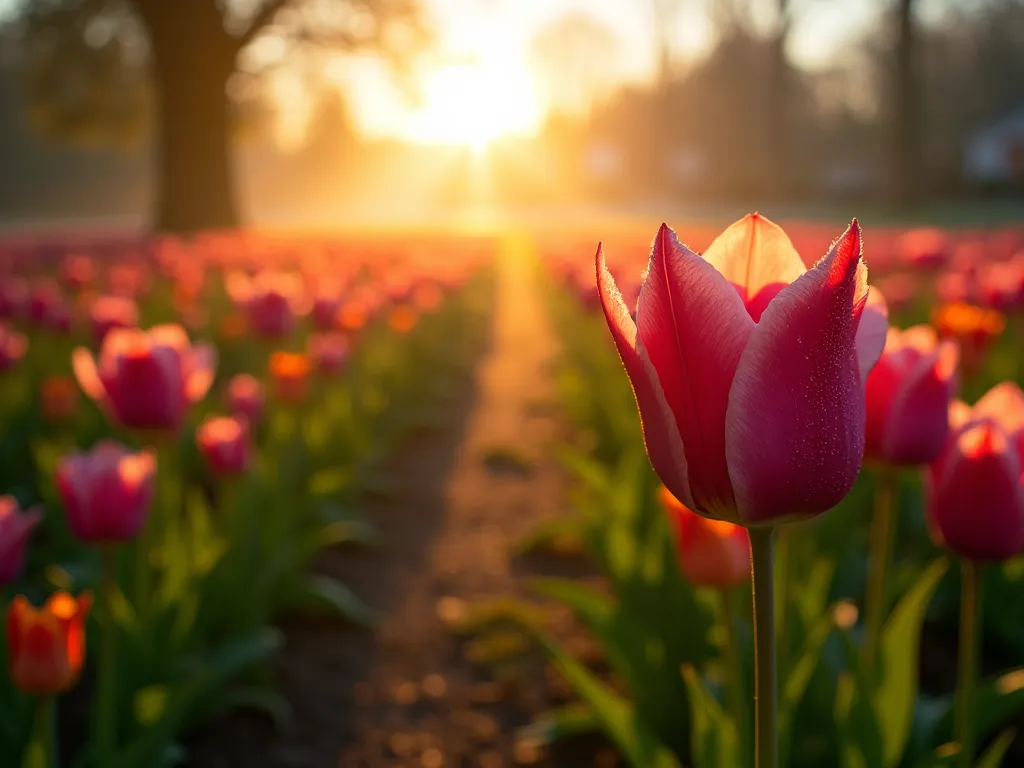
pixel 715 740
pixel 859 733
pixel 993 757
pixel 619 718
pixel 995 702
pixel 319 592
pixel 896 694
pixel 561 723
pixel 796 683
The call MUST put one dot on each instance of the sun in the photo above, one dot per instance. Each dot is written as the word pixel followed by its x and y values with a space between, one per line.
pixel 474 104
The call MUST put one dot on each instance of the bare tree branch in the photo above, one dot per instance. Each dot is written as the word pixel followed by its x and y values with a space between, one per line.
pixel 265 15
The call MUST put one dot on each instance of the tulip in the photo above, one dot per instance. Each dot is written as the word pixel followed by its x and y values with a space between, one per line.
pixel 927 248
pixel 908 396
pixel 106 492
pixel 59 399
pixel 224 444
pixel 109 312
pixel 271 301
pixel 975 508
pixel 973 327
pixel 15 528
pixel 43 301
pixel 46 647
pixel 146 379
pixel 245 397
pixel 290 374
pixel 13 347
pixel 328 352
pixel 402 319
pixel 712 553
pixel 748 370
pixel 14 293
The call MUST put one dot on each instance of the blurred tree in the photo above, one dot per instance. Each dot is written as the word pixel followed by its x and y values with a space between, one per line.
pixel 92 66
pixel 905 162
pixel 778 181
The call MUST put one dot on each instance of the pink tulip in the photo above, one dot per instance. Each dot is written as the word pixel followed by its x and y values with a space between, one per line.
pixel 15 528
pixel 245 397
pixel 106 492
pixel 44 298
pixel 908 396
pixel 974 488
pixel 13 347
pixel 328 352
pixel 749 369
pixel 712 553
pixel 224 443
pixel 109 312
pixel 146 379
pixel 272 302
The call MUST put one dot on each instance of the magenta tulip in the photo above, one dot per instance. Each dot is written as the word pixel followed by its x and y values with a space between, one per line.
pixel 146 379
pixel 15 528
pixel 908 396
pixel 224 443
pixel 106 492
pixel 749 369
pixel 328 352
pixel 974 490
pixel 245 397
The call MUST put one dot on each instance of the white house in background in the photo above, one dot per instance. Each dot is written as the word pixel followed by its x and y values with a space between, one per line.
pixel 995 153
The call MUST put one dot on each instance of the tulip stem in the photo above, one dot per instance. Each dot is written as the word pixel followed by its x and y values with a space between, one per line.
pixel 42 750
pixel 766 732
pixel 105 722
pixel 967 665
pixel 883 537
pixel 734 671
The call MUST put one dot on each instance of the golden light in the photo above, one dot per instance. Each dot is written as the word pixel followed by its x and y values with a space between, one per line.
pixel 472 105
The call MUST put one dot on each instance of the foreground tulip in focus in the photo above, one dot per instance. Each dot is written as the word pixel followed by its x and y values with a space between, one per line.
pixel 749 372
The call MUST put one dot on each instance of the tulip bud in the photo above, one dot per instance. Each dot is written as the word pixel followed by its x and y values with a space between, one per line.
pixel 109 312
pixel 106 492
pixel 712 553
pixel 245 398
pixel 224 444
pixel 46 647
pixel 15 528
pixel 908 395
pixel 974 490
pixel 290 374
pixel 328 352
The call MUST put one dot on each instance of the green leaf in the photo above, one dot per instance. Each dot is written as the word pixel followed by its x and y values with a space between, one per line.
pixel 150 704
pixel 592 607
pixel 796 684
pixel 560 723
pixel 619 718
pixel 994 755
pixel 856 720
pixel 715 740
pixel 995 701
pixel 896 693
pixel 320 592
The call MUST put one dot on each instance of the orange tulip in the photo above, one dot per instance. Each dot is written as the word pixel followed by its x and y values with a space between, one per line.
pixel 59 398
pixel 290 374
pixel 712 553
pixel 46 647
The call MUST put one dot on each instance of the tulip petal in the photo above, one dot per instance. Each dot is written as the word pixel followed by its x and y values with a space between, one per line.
pixel 1004 404
pixel 661 436
pixel 758 258
pixel 918 423
pixel 694 327
pixel 84 366
pixel 976 504
pixel 871 333
pixel 795 426
pixel 201 373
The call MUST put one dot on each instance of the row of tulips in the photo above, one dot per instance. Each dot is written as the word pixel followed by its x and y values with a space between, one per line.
pixel 166 520
pixel 763 386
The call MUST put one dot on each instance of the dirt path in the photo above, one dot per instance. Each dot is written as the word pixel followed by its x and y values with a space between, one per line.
pixel 404 695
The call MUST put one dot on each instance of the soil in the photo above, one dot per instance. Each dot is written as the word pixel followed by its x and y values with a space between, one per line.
pixel 405 694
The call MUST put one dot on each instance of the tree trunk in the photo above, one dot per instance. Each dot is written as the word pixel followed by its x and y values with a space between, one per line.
pixel 193 57
pixel 779 173
pixel 905 145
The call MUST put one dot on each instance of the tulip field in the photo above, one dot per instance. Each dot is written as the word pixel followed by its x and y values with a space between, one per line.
pixel 793 516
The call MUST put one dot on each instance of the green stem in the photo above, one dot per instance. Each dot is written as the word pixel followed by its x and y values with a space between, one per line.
pixel 967 665
pixel 766 732
pixel 883 537
pixel 105 715
pixel 42 750
pixel 734 671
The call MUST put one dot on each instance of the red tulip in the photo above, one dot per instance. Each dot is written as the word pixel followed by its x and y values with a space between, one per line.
pixel 245 397
pixel 58 399
pixel 224 443
pixel 328 352
pixel 974 488
pixel 46 647
pixel 109 312
pixel 290 373
pixel 712 553
pixel 13 347
pixel 272 302
pixel 749 369
pixel 15 528
pixel 146 379
pixel 106 492
pixel 908 396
